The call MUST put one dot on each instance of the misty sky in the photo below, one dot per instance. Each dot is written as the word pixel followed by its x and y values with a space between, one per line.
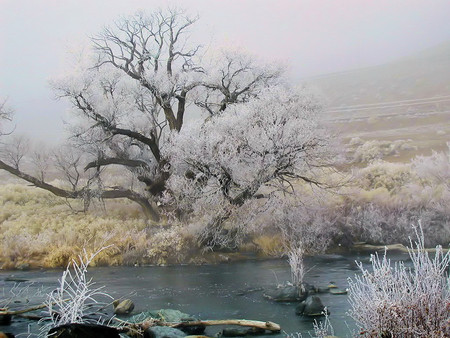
pixel 313 36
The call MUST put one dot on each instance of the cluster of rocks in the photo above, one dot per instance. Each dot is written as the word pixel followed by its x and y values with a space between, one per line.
pixel 310 304
pixel 306 295
pixel 125 307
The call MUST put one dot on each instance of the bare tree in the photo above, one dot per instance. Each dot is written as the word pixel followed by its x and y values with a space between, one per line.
pixel 41 160
pixel 137 92
pixel 15 149
pixel 132 102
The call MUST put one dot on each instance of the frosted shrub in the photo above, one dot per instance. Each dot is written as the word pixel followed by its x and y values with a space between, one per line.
pixel 435 168
pixel 295 259
pixel 382 174
pixel 385 224
pixel 76 297
pixel 397 301
pixel 167 245
pixel 322 329
pixel 304 220
pixel 374 149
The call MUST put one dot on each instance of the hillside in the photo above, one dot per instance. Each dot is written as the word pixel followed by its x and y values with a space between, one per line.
pixel 406 101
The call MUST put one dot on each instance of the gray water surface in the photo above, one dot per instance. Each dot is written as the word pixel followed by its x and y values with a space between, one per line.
pixel 209 291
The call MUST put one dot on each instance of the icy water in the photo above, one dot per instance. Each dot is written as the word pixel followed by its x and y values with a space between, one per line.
pixel 208 291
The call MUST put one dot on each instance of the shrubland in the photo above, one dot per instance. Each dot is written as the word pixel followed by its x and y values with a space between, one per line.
pixel 40 229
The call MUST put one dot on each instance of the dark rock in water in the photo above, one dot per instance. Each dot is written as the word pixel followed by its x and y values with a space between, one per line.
pixel 234 332
pixel 123 307
pixel 5 319
pixel 255 331
pixel 310 289
pixel 6 335
pixel 76 330
pixel 248 291
pixel 13 278
pixel 312 306
pixel 193 330
pixel 163 332
pixel 327 258
pixel 288 293
pixel 323 290
pixel 242 332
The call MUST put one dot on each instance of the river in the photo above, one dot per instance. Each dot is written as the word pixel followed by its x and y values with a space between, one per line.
pixel 207 291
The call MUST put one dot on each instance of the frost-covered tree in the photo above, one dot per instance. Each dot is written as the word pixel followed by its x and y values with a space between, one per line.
pixel 252 151
pixel 136 98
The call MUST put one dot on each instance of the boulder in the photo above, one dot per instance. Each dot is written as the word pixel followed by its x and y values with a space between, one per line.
pixel 193 330
pixel 289 293
pixel 171 316
pixel 163 332
pixel 76 330
pixel 123 307
pixel 311 307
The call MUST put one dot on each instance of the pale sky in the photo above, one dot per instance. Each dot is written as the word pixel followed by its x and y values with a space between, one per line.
pixel 313 36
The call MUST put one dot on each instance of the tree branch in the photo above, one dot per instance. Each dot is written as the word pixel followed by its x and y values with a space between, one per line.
pixel 107 194
pixel 120 161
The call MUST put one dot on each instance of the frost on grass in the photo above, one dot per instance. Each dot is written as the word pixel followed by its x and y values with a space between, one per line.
pixel 76 298
pixel 398 301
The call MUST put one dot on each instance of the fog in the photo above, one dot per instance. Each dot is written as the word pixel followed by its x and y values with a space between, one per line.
pixel 313 37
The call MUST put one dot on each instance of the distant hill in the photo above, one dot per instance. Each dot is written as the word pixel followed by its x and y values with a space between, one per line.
pixel 422 75
pixel 408 99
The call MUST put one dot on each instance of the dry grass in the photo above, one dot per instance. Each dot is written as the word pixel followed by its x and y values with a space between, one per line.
pixel 270 245
pixel 40 229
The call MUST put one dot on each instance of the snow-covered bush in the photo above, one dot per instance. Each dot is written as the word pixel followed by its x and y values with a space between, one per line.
pixel 402 301
pixel 168 246
pixel 375 150
pixel 76 299
pixel 295 260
